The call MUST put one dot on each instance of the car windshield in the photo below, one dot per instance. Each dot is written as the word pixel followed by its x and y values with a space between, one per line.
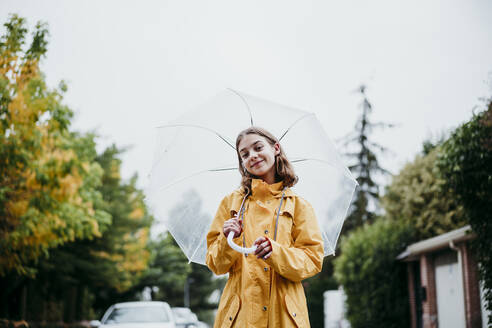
pixel 184 315
pixel 138 314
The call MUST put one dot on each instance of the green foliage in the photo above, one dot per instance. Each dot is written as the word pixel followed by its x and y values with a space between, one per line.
pixel 168 270
pixel 73 235
pixel 416 197
pixel 373 280
pixel 315 287
pixel 47 192
pixel 465 163
pixel 202 284
pixel 112 265
pixel 365 167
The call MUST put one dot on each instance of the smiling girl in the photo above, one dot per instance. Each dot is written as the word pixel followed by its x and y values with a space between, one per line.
pixel 264 289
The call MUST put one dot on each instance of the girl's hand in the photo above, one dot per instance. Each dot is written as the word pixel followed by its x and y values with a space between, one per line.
pixel 233 224
pixel 263 248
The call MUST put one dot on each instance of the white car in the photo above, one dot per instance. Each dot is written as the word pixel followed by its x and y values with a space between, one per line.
pixel 184 317
pixel 137 315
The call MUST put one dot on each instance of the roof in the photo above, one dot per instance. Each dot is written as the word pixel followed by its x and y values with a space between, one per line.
pixel 139 304
pixel 443 241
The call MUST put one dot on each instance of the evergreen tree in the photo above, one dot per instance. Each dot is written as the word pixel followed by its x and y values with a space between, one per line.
pixel 202 284
pixel 168 270
pixel 365 167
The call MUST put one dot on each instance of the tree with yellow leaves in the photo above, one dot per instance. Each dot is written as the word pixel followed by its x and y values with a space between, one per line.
pixel 73 234
pixel 48 192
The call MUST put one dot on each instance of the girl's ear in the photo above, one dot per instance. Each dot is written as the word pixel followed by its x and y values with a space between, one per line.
pixel 276 146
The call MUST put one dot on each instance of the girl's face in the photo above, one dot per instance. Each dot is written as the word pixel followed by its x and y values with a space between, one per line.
pixel 258 156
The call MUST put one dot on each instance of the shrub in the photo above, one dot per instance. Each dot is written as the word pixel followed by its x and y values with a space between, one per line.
pixel 374 281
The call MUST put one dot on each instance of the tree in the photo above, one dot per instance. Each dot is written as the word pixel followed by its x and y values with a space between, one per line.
pixel 366 166
pixel 168 270
pixel 47 193
pixel 416 196
pixel 72 233
pixel 465 163
pixel 110 266
pixel 201 287
pixel 372 278
pixel 315 288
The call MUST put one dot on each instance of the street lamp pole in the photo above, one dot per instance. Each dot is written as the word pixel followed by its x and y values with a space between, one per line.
pixel 188 281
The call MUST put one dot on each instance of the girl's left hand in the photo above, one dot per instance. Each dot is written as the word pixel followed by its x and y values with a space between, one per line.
pixel 263 248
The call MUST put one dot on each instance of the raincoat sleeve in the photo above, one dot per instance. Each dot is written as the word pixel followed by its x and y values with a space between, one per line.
pixel 220 256
pixel 304 258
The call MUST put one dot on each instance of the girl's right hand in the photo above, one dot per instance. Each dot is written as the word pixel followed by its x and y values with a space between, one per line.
pixel 233 224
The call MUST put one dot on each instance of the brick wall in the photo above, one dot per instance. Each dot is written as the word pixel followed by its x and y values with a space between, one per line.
pixel 471 287
pixel 411 295
pixel 429 305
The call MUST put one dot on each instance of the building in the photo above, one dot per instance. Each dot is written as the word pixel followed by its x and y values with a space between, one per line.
pixel 443 284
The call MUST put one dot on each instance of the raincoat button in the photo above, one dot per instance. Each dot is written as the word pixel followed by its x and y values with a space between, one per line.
pixel 264 308
pixel 266 269
pixel 294 314
pixel 266 232
pixel 230 318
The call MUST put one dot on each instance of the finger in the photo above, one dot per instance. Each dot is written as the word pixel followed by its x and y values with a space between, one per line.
pixel 261 253
pixel 264 252
pixel 258 249
pixel 261 246
pixel 232 224
pixel 267 256
pixel 262 249
pixel 259 240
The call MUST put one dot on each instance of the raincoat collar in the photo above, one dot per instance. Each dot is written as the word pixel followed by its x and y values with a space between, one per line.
pixel 260 189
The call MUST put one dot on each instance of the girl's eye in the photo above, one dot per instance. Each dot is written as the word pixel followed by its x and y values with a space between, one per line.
pixel 259 147
pixel 244 155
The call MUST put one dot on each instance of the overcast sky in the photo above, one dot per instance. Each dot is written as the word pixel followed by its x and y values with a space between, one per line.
pixel 133 65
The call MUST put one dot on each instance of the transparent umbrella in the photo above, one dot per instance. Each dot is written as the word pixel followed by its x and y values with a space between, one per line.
pixel 195 166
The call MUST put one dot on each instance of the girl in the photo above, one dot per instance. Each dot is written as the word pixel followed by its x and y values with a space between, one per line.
pixel 264 289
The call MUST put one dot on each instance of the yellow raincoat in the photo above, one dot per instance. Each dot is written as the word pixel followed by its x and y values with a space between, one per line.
pixel 266 293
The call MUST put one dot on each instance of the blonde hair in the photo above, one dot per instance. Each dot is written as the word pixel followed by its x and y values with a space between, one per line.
pixel 283 169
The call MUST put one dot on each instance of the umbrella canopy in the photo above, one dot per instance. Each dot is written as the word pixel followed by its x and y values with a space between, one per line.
pixel 195 166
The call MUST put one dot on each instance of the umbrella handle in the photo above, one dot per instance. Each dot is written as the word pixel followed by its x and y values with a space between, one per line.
pixel 237 248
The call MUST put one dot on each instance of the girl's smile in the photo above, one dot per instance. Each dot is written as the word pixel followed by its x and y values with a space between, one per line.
pixel 257 163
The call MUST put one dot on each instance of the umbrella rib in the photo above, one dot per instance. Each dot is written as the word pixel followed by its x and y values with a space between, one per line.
pixel 224 169
pixel 192 175
pixel 346 173
pixel 198 127
pixel 196 249
pixel 299 119
pixel 245 102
